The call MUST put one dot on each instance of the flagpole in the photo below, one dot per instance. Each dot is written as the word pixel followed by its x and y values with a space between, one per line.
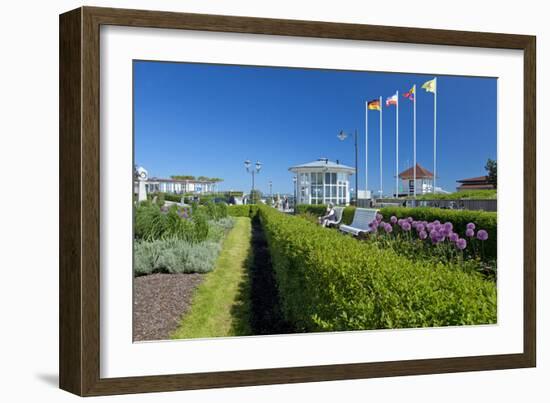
pixel 381 110
pixel 366 148
pixel 397 144
pixel 435 133
pixel 414 140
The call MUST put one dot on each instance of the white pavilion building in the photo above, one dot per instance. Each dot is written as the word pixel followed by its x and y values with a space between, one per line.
pixel 322 182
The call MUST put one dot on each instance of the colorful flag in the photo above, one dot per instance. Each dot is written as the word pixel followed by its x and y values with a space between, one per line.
pixel 374 105
pixel 430 85
pixel 391 100
pixel 410 95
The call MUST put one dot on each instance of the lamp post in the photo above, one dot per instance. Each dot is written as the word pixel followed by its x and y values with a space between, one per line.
pixel 253 170
pixel 270 189
pixel 342 136
pixel 295 180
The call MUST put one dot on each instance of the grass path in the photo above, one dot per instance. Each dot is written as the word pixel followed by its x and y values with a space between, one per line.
pixel 221 304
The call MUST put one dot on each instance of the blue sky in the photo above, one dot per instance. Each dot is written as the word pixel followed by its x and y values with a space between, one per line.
pixel 203 119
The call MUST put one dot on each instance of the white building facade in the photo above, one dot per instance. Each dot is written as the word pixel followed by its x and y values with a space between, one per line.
pixel 177 186
pixel 322 182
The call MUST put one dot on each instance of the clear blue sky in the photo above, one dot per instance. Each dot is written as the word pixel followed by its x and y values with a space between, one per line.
pixel 202 119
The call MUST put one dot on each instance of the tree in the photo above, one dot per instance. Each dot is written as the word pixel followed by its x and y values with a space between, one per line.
pixel 255 196
pixel 491 168
pixel 183 177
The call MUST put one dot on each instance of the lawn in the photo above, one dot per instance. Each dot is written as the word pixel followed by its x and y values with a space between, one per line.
pixel 221 304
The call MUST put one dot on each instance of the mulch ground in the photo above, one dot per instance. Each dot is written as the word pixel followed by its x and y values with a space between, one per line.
pixel 159 302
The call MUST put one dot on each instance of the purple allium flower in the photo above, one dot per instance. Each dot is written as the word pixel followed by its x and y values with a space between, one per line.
pixel 437 222
pixel 410 219
pixel 388 228
pixel 423 234
pixel 406 226
pixel 420 227
pixel 469 232
pixel 393 219
pixel 379 217
pixel 400 221
pixel 374 225
pixel 434 234
pixel 471 226
pixel 461 243
pixel 453 237
pixel 430 227
pixel 482 235
pixel 448 226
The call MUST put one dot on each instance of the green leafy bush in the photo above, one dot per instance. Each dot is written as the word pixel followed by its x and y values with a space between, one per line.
pixel 151 224
pixel 331 282
pixel 174 256
pixel 460 218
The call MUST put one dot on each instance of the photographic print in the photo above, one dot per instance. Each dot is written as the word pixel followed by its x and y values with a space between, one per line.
pixel 275 200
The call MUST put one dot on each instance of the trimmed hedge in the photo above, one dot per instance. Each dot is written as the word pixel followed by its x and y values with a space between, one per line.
pixel 330 282
pixel 460 218
pixel 242 210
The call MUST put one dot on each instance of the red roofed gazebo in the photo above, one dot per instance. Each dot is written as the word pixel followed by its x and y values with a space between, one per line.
pixel 424 180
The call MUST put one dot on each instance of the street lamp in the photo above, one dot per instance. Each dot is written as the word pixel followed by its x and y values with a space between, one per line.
pixel 342 136
pixel 295 180
pixel 270 188
pixel 253 170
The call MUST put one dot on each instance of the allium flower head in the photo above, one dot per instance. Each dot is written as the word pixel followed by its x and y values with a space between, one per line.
pixel 423 234
pixel 471 225
pixel 453 237
pixel 420 227
pixel 469 232
pixel 410 219
pixel 406 226
pixel 482 235
pixel 461 244
pixel 388 228
pixel 437 222
pixel 393 219
pixel 448 226
pixel 379 217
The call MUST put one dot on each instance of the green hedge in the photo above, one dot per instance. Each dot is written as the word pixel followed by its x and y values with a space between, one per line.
pixel 319 210
pixel 330 282
pixel 243 210
pixel 460 218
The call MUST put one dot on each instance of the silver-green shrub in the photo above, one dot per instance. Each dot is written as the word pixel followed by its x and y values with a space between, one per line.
pixel 174 256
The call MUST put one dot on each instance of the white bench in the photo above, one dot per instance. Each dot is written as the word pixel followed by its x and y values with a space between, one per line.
pixel 361 220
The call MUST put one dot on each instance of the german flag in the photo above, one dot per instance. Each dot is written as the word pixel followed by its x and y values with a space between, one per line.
pixel 374 105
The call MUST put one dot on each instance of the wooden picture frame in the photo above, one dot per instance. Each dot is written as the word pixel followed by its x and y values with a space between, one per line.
pixel 79 279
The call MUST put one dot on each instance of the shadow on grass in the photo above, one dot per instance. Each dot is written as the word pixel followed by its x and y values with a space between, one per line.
pixel 258 310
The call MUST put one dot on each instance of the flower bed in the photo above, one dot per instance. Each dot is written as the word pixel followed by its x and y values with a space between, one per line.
pixel 330 282
pixel 459 219
pixel 178 240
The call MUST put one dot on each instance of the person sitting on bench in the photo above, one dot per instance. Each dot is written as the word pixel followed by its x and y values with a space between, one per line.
pixel 329 216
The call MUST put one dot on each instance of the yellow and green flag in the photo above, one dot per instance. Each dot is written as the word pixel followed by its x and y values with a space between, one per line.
pixel 430 86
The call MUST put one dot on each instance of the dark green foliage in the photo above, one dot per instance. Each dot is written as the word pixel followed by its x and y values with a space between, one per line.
pixel 331 282
pixel 460 218
pixel 491 168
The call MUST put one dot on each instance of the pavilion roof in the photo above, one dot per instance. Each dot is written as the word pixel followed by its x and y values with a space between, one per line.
pixel 421 173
